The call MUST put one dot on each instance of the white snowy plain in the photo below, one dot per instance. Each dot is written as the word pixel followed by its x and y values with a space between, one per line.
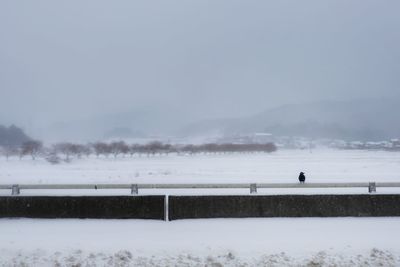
pixel 215 242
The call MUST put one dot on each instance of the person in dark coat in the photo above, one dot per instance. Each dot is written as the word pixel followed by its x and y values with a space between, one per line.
pixel 302 178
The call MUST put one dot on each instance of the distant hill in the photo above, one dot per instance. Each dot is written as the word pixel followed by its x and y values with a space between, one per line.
pixel 12 136
pixel 349 120
pixel 364 120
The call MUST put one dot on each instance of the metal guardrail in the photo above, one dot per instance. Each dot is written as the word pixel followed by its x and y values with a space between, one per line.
pixel 16 188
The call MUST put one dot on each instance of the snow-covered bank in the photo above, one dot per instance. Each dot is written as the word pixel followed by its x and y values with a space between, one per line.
pixel 374 257
pixel 217 242
pixel 280 166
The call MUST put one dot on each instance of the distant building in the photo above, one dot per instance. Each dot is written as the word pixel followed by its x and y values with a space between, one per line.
pixel 395 143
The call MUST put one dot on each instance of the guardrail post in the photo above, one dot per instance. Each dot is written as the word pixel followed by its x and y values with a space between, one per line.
pixel 253 188
pixel 134 189
pixel 15 190
pixel 372 187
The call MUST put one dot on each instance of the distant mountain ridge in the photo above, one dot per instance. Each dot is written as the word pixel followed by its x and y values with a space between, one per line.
pixel 349 120
pixel 364 120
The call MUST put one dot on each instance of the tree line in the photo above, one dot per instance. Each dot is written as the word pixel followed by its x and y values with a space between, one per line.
pixel 67 150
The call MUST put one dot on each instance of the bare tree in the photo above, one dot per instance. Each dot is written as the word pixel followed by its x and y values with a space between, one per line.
pixel 63 148
pixel 8 151
pixel 190 149
pixel 78 150
pixel 167 148
pixel 101 148
pixel 87 150
pixel 229 148
pixel 134 148
pixel 119 148
pixel 32 148
pixel 124 148
pixel 153 147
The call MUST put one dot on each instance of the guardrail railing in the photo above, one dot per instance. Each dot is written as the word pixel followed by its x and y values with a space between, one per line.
pixel 16 188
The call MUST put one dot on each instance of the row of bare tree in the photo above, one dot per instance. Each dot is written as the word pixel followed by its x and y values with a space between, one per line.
pixel 31 148
pixel 68 150
pixel 229 148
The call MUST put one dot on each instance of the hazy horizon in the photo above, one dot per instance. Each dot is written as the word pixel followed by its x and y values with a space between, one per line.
pixel 69 61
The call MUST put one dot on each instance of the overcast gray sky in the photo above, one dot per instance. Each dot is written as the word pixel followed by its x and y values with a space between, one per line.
pixel 62 60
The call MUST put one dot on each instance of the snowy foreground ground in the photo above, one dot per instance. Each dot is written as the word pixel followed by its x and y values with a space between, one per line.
pixel 216 242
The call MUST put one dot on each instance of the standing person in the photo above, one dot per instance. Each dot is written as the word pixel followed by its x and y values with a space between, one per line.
pixel 302 178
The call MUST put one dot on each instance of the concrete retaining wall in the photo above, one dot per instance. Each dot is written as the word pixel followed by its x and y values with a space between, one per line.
pixel 101 207
pixel 185 207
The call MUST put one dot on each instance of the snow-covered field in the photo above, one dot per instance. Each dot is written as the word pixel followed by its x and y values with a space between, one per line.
pixel 281 166
pixel 216 242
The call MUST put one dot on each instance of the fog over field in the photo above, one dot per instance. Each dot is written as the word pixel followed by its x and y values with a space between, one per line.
pixel 77 70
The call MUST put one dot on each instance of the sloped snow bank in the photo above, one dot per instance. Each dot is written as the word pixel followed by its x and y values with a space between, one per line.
pixel 374 257
pixel 213 242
